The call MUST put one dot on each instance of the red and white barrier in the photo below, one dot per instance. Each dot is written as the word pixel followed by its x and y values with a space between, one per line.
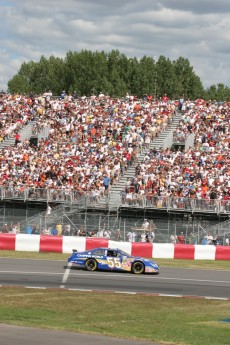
pixel 65 244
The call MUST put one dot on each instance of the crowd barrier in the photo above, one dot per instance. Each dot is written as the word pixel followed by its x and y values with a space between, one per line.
pixel 65 244
pixel 131 200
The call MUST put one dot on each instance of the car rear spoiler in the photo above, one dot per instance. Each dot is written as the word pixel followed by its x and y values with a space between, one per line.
pixel 74 250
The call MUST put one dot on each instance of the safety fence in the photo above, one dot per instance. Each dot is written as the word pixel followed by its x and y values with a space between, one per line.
pixel 72 221
pixel 65 244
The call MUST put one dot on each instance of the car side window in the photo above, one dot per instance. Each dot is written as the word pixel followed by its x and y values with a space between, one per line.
pixel 112 253
pixel 99 252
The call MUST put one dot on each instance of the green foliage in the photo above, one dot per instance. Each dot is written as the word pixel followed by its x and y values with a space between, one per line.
pixel 112 73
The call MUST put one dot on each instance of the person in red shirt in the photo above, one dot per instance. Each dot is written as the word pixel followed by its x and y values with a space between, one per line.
pixel 17 139
pixel 165 98
pixel 181 238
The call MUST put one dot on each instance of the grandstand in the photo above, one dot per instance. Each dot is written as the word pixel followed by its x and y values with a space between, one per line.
pixel 157 161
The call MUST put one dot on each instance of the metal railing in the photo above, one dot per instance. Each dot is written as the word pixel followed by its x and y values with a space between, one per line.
pixel 177 203
pixel 86 200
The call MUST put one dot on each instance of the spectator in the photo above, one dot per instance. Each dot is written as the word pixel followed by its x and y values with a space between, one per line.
pixel 131 236
pixel 106 183
pixel 181 238
pixel 54 231
pixel 107 234
pixel 209 238
pixel 49 209
pixel 145 225
pixel 143 237
pixel 59 229
pixel 100 233
pixel 152 236
pixel 173 239
pixel 17 139
pixel 28 230
pixel 67 230
pixel 118 235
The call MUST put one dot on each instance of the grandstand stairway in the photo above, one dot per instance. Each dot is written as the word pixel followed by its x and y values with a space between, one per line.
pixel 164 140
pixel 25 133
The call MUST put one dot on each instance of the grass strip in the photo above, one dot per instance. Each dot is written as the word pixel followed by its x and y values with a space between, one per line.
pixel 202 264
pixel 160 319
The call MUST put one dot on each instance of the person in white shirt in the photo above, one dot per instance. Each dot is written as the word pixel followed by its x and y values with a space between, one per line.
pixel 100 233
pixel 173 239
pixel 143 237
pixel 131 236
pixel 145 225
pixel 107 234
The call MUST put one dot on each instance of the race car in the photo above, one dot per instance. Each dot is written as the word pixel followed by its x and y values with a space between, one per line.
pixel 113 260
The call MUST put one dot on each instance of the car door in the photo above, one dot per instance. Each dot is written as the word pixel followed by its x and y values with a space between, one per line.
pixel 114 260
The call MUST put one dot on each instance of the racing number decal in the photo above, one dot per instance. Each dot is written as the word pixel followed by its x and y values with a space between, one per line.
pixel 114 262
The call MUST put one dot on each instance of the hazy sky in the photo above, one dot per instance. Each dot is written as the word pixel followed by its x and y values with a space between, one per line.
pixel 195 29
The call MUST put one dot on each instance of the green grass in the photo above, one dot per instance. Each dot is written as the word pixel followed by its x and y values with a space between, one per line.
pixel 205 264
pixel 160 319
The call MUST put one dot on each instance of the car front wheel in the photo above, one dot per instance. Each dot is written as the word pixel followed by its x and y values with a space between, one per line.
pixel 138 267
pixel 91 265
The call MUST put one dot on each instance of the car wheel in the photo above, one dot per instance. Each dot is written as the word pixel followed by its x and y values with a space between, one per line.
pixel 138 267
pixel 91 265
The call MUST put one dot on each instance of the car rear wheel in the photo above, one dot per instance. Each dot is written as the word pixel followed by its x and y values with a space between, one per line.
pixel 91 265
pixel 138 267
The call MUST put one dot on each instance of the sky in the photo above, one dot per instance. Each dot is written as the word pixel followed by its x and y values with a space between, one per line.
pixel 198 30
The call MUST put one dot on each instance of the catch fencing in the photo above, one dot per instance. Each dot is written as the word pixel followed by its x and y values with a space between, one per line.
pixel 90 223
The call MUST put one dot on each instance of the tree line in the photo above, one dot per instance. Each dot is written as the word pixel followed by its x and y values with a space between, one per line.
pixel 115 74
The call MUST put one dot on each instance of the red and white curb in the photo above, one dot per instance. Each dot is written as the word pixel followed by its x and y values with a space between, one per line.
pixel 148 294
pixel 65 244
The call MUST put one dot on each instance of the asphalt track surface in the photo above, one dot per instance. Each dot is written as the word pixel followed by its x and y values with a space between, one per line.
pixel 170 281
pixel 56 274
pixel 14 335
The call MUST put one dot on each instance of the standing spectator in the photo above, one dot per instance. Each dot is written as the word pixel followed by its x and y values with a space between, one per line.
pixel 181 238
pixel 28 230
pixel 100 233
pixel 59 228
pixel 107 234
pixel 145 225
pixel 106 183
pixel 14 229
pixel 152 236
pixel 143 237
pixel 173 239
pixel 131 236
pixel 180 104
pixel 67 230
pixel 209 238
pixel 227 241
pixel 48 210
pixel 54 231
pixel 118 235
pixel 17 139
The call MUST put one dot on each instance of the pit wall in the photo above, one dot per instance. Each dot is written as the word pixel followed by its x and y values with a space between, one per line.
pixel 65 244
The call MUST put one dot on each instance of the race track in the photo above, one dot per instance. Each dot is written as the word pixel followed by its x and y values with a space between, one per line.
pixel 170 281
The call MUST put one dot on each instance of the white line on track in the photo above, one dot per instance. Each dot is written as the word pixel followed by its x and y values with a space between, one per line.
pixel 106 275
pixel 66 275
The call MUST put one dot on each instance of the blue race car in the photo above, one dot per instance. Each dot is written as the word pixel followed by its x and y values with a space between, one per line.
pixel 112 259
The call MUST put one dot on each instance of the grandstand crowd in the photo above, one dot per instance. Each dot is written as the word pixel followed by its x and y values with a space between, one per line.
pixel 92 141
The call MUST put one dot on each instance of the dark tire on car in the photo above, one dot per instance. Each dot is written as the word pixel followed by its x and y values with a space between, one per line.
pixel 91 265
pixel 138 267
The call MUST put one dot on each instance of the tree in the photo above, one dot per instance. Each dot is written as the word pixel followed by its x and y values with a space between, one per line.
pixel 88 72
